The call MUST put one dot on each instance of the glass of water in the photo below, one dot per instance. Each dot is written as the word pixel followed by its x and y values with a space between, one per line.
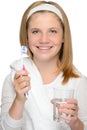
pixel 60 96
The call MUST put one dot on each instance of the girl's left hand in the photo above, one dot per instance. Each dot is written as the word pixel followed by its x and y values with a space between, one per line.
pixel 70 110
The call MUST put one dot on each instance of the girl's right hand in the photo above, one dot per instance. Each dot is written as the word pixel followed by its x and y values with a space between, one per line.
pixel 21 84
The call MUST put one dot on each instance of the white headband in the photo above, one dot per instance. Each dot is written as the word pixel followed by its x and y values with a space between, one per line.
pixel 46 7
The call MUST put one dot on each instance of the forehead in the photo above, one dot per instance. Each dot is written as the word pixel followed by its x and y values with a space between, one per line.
pixel 44 15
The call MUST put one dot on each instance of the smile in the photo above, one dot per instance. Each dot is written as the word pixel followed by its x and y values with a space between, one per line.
pixel 44 47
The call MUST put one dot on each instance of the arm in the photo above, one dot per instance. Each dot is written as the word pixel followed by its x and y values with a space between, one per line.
pixel 8 95
pixel 77 107
pixel 13 104
pixel 77 124
pixel 21 85
pixel 81 96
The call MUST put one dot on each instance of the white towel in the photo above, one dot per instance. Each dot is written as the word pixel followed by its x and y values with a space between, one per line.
pixel 38 105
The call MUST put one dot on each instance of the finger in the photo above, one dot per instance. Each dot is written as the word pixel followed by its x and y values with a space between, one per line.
pixel 22 78
pixel 69 118
pixel 69 106
pixel 21 73
pixel 72 101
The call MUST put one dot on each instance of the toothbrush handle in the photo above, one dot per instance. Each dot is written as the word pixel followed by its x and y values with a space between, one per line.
pixel 23 67
pixel 26 94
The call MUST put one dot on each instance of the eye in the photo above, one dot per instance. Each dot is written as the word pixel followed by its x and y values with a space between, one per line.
pixel 53 31
pixel 35 31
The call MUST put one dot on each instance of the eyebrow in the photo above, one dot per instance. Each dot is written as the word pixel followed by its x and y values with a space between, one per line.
pixel 48 28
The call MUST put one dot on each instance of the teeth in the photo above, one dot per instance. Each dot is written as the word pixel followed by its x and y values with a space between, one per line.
pixel 44 48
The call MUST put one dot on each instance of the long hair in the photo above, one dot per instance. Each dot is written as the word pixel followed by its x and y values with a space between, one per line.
pixel 65 55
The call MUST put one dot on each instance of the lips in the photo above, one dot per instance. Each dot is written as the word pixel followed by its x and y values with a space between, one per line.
pixel 44 47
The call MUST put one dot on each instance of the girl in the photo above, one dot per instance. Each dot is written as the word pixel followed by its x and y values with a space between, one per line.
pixel 46 33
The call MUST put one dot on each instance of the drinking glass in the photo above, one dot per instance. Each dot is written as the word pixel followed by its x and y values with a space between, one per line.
pixel 60 96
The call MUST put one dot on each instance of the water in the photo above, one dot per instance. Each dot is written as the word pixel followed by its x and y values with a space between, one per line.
pixel 56 103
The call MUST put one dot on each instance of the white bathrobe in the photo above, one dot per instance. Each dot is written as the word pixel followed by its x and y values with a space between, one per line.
pixel 38 110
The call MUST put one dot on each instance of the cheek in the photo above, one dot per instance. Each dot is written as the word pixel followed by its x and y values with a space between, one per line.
pixel 59 46
pixel 58 43
pixel 32 39
pixel 58 39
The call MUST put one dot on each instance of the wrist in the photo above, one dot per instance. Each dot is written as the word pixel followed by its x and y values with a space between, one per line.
pixel 20 100
pixel 78 124
pixel 16 109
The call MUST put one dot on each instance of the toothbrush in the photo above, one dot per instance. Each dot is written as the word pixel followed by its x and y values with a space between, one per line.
pixel 23 54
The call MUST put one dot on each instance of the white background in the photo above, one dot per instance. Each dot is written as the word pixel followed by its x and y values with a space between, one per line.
pixel 11 12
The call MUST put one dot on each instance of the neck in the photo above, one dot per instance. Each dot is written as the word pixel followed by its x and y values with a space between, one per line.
pixel 48 70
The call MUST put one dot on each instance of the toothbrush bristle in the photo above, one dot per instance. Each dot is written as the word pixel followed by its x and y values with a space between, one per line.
pixel 23 49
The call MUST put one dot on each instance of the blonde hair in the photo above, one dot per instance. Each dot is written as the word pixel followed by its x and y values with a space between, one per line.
pixel 65 55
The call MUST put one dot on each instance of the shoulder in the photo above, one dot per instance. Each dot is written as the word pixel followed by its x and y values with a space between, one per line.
pixel 77 82
pixel 80 86
pixel 82 81
pixel 80 92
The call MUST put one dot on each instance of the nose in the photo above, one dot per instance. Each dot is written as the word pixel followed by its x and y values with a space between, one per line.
pixel 44 38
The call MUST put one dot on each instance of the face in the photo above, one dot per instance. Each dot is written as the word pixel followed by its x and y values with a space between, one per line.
pixel 45 36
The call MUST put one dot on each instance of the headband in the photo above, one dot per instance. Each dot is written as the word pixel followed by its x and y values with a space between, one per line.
pixel 47 7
